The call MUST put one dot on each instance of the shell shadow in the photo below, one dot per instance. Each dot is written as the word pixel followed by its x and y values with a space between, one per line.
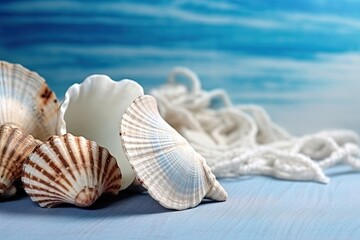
pixel 123 205
pixel 343 173
pixel 20 194
pixel 341 170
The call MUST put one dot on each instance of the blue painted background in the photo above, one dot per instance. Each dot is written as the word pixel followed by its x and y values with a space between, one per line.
pixel 298 59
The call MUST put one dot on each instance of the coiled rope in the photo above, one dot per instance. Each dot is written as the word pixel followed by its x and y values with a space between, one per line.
pixel 242 140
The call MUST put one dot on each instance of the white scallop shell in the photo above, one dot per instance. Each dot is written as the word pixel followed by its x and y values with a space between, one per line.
pixel 174 174
pixel 26 101
pixel 94 109
pixel 15 146
pixel 70 169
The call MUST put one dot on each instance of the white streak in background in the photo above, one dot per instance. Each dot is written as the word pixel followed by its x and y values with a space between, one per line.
pixel 98 11
pixel 109 12
pixel 324 68
pixel 318 20
pixel 216 5
pixel 126 51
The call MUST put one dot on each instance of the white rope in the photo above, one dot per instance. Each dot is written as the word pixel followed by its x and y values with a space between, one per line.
pixel 242 140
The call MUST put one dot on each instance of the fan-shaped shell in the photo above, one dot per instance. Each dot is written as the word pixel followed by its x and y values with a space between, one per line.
pixel 15 146
pixel 165 163
pixel 70 169
pixel 26 101
pixel 94 108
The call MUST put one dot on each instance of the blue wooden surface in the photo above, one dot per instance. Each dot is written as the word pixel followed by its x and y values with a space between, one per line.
pixel 257 208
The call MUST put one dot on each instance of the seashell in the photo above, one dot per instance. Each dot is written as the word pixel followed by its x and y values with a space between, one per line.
pixel 15 146
pixel 26 101
pixel 93 109
pixel 69 169
pixel 164 162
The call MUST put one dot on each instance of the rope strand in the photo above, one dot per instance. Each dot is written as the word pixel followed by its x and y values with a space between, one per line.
pixel 243 140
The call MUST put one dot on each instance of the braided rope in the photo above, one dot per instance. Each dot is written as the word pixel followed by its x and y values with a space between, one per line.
pixel 242 140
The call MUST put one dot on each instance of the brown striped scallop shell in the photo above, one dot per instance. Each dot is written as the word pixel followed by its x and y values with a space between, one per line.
pixel 69 169
pixel 26 101
pixel 15 146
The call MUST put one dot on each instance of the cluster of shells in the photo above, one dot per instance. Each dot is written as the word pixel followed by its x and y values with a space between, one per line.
pixel 104 137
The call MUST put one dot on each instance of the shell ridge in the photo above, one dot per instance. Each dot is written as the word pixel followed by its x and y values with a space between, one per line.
pixel 144 117
pixel 63 161
pixel 70 155
pixel 132 125
pixel 106 176
pixel 130 116
pixel 39 185
pixel 115 178
pixel 91 158
pixel 39 166
pixel 84 181
pixel 72 149
pixel 157 153
pixel 102 156
pixel 40 191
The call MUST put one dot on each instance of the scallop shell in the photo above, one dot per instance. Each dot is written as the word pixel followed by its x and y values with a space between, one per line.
pixel 174 174
pixel 70 169
pixel 15 146
pixel 26 101
pixel 93 109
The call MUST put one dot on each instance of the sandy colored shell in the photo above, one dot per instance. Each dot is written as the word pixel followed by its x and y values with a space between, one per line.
pixel 15 146
pixel 70 169
pixel 164 162
pixel 26 101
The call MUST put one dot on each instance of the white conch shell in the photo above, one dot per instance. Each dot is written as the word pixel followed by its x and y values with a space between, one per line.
pixel 94 109
pixel 15 146
pixel 26 101
pixel 165 163
pixel 70 169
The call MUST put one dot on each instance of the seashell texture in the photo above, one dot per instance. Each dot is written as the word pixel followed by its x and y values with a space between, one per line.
pixel 94 108
pixel 26 101
pixel 70 169
pixel 164 162
pixel 15 146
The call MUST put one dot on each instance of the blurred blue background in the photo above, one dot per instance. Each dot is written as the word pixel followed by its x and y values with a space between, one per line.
pixel 298 59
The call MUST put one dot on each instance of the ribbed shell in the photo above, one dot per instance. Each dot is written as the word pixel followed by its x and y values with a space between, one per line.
pixel 164 162
pixel 15 146
pixel 26 101
pixel 70 169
